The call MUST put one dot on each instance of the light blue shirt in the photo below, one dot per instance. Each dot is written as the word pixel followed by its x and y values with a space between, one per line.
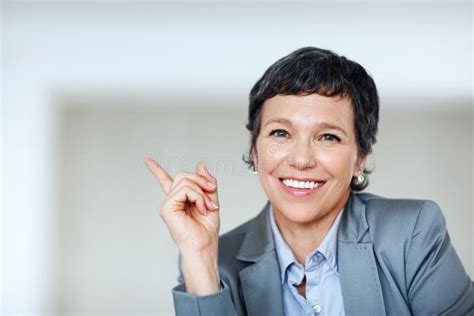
pixel 323 287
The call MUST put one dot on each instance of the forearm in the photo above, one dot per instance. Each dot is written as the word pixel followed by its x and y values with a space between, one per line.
pixel 200 273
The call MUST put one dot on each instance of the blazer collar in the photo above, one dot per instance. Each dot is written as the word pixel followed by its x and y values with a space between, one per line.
pixel 260 280
pixel 354 226
pixel 358 271
pixel 258 239
pixel 360 284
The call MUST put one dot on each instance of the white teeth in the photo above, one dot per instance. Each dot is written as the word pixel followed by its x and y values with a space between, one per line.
pixel 300 184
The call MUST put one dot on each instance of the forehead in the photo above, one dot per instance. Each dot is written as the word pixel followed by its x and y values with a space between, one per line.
pixel 308 110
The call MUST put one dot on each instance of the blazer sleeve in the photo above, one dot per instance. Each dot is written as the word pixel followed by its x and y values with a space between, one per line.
pixel 436 279
pixel 218 304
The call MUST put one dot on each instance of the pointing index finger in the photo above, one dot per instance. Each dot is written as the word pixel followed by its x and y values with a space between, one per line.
pixel 160 174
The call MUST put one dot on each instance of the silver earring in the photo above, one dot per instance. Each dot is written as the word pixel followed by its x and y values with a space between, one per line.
pixel 360 178
pixel 255 171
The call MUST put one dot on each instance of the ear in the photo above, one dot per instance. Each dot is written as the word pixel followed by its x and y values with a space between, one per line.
pixel 253 153
pixel 360 165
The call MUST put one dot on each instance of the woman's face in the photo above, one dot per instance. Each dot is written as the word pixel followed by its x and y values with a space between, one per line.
pixel 309 138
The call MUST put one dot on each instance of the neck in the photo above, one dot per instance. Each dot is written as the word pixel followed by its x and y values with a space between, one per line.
pixel 304 238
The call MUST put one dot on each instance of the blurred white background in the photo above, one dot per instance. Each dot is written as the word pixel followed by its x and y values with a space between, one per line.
pixel 91 87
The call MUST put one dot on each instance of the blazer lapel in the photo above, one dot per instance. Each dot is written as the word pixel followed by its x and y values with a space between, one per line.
pixel 360 284
pixel 262 287
pixel 260 280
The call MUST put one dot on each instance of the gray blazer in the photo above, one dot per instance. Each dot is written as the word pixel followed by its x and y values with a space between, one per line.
pixel 394 257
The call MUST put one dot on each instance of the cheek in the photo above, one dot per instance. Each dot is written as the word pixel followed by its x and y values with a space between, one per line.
pixel 339 164
pixel 270 154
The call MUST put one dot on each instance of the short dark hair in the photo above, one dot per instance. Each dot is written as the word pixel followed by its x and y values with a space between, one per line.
pixel 311 70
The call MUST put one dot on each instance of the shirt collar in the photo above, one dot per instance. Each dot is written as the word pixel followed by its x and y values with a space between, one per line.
pixel 327 247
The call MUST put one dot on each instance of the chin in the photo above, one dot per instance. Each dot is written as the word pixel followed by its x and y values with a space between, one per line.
pixel 300 215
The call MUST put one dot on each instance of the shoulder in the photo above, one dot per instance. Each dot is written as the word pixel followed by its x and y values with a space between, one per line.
pixel 400 226
pixel 414 253
pixel 401 211
pixel 394 222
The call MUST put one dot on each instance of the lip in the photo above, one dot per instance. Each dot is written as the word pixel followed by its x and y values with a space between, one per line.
pixel 302 179
pixel 300 192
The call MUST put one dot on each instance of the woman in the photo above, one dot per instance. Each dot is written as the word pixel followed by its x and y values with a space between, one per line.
pixel 318 247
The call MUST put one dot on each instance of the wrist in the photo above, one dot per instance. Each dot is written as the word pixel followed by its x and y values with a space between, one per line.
pixel 201 275
pixel 199 251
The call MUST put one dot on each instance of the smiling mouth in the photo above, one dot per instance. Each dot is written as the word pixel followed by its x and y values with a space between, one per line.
pixel 300 188
pixel 292 183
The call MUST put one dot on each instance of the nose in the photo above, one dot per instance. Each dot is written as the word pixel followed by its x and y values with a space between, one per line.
pixel 302 155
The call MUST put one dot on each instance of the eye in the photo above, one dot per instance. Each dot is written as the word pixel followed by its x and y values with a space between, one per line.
pixel 330 137
pixel 279 133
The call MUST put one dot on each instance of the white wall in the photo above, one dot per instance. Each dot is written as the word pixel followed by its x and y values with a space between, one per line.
pixel 53 54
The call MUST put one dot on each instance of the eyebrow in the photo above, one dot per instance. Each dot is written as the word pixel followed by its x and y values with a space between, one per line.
pixel 288 122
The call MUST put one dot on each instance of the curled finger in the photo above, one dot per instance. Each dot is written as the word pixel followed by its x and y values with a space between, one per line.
pixel 186 198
